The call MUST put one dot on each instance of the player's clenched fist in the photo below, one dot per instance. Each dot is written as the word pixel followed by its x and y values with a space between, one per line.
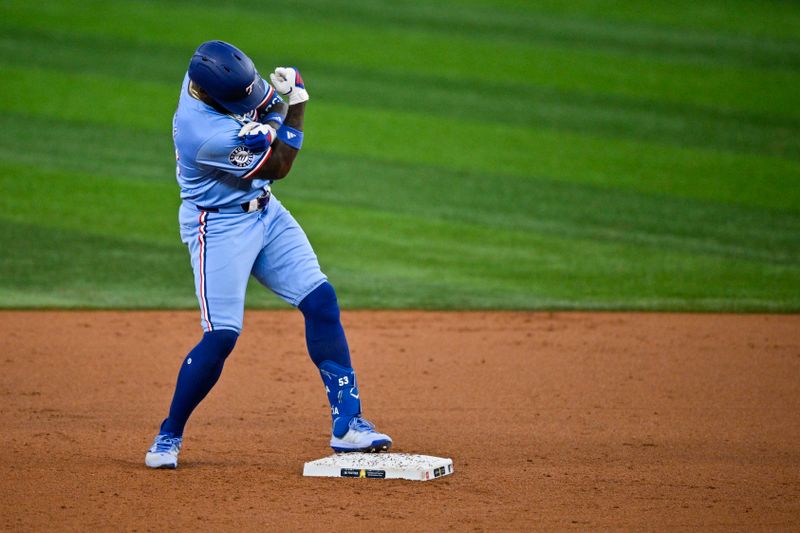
pixel 288 82
pixel 257 136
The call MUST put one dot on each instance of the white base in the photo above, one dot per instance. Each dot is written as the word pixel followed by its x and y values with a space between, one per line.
pixel 380 466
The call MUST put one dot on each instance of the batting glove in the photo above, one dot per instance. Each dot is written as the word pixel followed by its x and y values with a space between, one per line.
pixel 257 137
pixel 288 82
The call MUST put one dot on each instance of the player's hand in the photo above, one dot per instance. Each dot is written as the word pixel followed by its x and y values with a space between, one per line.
pixel 257 137
pixel 288 82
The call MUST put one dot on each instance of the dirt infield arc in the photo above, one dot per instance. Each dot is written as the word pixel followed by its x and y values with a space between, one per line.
pixel 567 420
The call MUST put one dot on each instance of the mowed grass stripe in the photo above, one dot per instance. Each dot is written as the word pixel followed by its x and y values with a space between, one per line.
pixel 491 23
pixel 47 266
pixel 146 210
pixel 644 272
pixel 766 19
pixel 448 270
pixel 141 211
pixel 90 98
pixel 539 26
pixel 515 104
pixel 99 149
pixel 549 207
pixel 744 179
pixel 465 58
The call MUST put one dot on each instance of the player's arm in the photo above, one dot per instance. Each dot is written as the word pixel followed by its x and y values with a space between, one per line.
pixel 273 111
pixel 274 149
pixel 283 154
pixel 287 82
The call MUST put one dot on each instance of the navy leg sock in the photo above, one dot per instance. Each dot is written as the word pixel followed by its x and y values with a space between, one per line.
pixel 324 333
pixel 199 372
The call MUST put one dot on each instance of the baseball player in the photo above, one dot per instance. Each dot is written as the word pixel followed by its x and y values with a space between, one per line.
pixel 234 135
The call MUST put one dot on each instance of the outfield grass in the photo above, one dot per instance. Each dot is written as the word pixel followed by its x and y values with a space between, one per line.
pixel 459 154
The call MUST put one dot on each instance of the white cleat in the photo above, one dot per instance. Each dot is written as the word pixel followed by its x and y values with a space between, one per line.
pixel 164 452
pixel 361 437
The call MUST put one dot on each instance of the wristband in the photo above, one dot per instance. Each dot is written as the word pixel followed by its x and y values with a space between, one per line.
pixel 291 136
pixel 277 118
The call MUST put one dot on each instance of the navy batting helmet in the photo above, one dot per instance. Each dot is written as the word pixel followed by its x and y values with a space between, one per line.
pixel 228 76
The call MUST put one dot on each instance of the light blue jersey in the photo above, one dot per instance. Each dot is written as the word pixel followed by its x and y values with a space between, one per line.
pixel 226 248
pixel 214 168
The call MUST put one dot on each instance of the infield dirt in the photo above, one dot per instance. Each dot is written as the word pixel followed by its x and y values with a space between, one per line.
pixel 553 421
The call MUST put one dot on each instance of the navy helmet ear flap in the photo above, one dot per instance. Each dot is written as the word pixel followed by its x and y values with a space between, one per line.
pixel 228 76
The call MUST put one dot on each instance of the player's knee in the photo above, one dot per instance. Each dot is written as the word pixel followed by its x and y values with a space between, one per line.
pixel 220 342
pixel 321 304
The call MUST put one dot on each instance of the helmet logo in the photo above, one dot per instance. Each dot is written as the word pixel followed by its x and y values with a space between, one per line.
pixel 249 88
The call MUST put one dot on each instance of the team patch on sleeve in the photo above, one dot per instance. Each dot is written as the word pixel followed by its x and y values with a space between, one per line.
pixel 252 172
pixel 241 157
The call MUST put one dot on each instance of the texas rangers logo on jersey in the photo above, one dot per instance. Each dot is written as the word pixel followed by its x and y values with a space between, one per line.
pixel 241 157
